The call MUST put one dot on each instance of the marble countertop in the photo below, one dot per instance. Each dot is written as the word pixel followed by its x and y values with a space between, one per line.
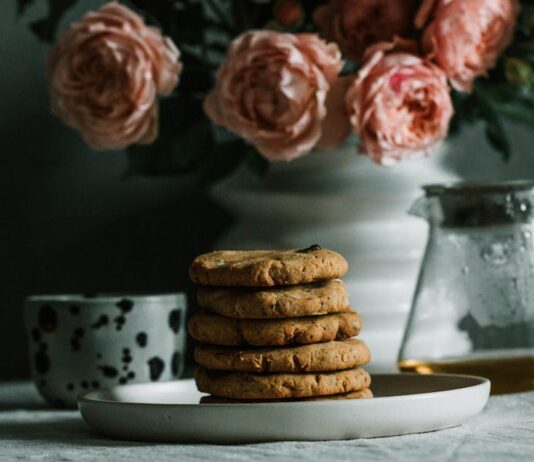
pixel 29 430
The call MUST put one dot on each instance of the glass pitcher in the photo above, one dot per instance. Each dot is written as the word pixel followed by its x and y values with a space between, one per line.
pixel 473 308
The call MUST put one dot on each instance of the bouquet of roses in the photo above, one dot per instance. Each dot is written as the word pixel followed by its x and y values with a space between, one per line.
pixel 202 86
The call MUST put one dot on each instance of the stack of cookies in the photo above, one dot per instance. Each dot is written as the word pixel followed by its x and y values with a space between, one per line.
pixel 276 325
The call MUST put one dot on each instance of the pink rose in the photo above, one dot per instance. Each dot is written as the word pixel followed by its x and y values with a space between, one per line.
pixel 465 37
pixel 105 73
pixel 271 91
pixel 356 24
pixel 399 105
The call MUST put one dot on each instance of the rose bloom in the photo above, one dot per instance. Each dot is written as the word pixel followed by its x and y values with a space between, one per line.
pixel 465 37
pixel 105 73
pixel 357 24
pixel 288 13
pixel 271 91
pixel 399 105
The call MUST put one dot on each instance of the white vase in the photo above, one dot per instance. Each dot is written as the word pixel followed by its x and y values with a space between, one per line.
pixel 347 203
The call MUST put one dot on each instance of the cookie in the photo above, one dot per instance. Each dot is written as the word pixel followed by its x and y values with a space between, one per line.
pixel 317 357
pixel 218 330
pixel 246 385
pixel 267 268
pixel 366 393
pixel 278 302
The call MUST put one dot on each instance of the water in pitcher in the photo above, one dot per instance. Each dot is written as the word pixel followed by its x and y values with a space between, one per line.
pixel 473 311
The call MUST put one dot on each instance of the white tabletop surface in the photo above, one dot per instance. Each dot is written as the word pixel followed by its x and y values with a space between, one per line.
pixel 29 430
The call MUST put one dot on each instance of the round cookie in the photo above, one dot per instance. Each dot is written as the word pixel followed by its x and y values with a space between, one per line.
pixel 278 302
pixel 317 357
pixel 218 330
pixel 366 393
pixel 245 385
pixel 267 268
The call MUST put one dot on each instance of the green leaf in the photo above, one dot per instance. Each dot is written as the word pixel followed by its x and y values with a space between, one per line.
pixel 46 28
pixel 465 111
pixel 187 144
pixel 184 136
pixel 187 24
pixel 517 111
pixel 170 154
pixel 220 13
pixel 182 21
pixel 493 127
pixel 512 102
pixel 241 14
pixel 497 138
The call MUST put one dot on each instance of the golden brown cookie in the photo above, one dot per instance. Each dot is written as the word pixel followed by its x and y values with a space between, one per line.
pixel 317 357
pixel 277 302
pixel 246 385
pixel 266 268
pixel 218 330
pixel 366 393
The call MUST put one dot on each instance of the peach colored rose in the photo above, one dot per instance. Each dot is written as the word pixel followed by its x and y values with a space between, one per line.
pixel 357 24
pixel 271 91
pixel 336 125
pixel 105 73
pixel 465 37
pixel 399 105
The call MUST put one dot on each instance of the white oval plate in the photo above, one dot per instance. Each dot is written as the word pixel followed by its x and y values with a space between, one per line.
pixel 169 411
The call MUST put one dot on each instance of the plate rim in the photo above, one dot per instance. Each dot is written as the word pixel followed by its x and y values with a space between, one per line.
pixel 479 381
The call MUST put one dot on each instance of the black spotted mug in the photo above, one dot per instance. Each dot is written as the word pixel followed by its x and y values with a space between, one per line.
pixel 79 342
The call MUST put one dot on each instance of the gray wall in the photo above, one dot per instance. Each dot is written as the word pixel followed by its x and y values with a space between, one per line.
pixel 70 222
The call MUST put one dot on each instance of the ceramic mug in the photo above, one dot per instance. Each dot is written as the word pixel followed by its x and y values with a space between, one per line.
pixel 79 342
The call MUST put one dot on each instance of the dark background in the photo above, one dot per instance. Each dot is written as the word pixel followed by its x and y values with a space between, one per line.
pixel 71 222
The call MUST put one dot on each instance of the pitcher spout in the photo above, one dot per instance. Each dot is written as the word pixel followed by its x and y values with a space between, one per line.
pixel 421 208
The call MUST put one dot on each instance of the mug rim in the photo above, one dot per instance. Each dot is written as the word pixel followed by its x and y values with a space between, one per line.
pixel 110 297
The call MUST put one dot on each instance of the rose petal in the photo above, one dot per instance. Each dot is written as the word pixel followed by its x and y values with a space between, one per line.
pixel 271 91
